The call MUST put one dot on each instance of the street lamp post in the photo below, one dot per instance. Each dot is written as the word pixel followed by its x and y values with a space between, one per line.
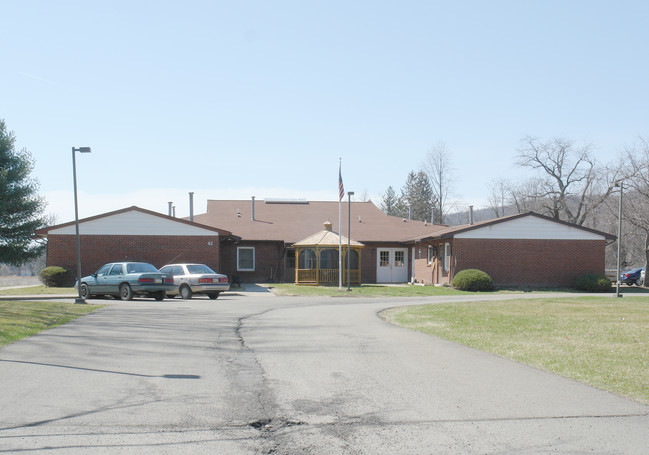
pixel 619 185
pixel 79 299
pixel 349 235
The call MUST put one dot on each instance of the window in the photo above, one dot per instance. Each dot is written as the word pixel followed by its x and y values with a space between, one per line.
pixel 104 270
pixel 329 259
pixel 399 259
pixel 193 269
pixel 307 260
pixel 351 260
pixel 246 258
pixel 117 269
pixel 384 259
pixel 290 259
pixel 447 256
pixel 430 254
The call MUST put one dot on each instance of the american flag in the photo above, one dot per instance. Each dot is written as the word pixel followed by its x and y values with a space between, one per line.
pixel 341 188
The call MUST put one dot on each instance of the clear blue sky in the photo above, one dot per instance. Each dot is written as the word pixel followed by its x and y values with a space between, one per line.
pixel 241 98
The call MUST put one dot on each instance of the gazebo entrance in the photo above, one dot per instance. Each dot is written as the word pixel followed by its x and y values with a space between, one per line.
pixel 317 259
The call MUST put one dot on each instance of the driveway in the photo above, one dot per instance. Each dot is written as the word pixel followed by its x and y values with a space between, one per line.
pixel 254 374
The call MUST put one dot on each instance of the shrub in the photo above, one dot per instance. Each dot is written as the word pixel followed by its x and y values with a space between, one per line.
pixel 56 277
pixel 472 280
pixel 592 282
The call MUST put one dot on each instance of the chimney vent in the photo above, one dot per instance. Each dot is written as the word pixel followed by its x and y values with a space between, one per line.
pixel 170 205
pixel 470 214
pixel 191 206
pixel 252 215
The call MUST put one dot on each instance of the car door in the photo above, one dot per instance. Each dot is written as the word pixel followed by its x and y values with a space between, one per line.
pixel 98 283
pixel 114 278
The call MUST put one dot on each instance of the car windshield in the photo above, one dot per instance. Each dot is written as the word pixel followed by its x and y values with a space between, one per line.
pixel 198 268
pixel 140 267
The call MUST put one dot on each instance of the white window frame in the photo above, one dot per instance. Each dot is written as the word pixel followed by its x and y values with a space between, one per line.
pixel 239 269
pixel 447 256
pixel 430 255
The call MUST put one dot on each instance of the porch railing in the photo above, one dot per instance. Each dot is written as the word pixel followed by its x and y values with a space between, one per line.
pixel 326 276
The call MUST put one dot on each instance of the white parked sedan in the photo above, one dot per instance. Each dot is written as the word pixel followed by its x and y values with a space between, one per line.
pixel 190 279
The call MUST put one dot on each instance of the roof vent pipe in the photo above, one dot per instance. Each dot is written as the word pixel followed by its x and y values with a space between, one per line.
pixel 191 206
pixel 432 216
pixel 173 211
pixel 410 212
pixel 170 204
pixel 252 213
pixel 470 214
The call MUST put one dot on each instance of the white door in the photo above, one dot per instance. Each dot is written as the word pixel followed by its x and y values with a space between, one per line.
pixel 391 265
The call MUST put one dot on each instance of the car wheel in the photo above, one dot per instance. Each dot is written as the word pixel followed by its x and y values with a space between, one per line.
pixel 85 293
pixel 186 292
pixel 213 295
pixel 638 282
pixel 160 295
pixel 125 292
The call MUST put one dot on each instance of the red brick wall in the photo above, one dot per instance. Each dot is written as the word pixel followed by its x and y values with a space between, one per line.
pixel 97 250
pixel 512 262
pixel 368 265
pixel 269 261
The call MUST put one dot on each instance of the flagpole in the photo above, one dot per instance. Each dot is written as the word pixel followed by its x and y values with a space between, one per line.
pixel 340 240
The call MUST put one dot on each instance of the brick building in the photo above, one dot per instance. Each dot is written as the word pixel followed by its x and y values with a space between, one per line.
pixel 133 234
pixel 253 240
pixel 526 249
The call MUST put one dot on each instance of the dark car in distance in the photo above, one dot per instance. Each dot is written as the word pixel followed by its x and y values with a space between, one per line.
pixel 125 280
pixel 633 276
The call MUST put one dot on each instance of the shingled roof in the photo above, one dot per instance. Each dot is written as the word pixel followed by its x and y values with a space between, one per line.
pixel 292 221
pixel 327 238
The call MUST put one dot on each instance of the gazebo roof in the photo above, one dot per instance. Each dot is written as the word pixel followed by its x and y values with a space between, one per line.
pixel 326 238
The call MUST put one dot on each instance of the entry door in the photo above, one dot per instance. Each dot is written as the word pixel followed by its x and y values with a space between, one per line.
pixel 392 265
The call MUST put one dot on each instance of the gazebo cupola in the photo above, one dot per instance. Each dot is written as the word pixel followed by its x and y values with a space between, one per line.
pixel 317 258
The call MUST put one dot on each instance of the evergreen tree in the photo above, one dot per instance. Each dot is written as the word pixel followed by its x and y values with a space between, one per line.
pixel 390 202
pixel 417 196
pixel 21 209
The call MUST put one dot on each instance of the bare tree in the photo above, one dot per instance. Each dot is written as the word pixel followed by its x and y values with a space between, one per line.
pixel 636 199
pixel 438 166
pixel 499 196
pixel 571 183
pixel 365 196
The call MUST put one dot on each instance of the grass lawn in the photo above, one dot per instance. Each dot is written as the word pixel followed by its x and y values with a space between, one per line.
pixel 600 341
pixel 20 319
pixel 38 290
pixel 367 290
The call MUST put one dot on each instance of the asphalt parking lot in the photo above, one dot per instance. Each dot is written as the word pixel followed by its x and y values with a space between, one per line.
pixel 251 373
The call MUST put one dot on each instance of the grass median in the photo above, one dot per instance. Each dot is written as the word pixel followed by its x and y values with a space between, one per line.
pixel 600 341
pixel 20 319
pixel 38 290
